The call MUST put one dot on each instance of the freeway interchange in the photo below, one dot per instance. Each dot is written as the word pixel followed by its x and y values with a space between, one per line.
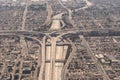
pixel 51 55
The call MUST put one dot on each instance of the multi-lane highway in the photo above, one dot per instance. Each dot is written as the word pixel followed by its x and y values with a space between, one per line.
pixel 63 71
pixel 50 12
pixel 24 15
pixel 99 66
pixel 70 12
pixel 50 69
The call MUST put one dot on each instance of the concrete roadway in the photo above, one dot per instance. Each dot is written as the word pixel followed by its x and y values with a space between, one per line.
pixel 24 15
pixel 42 62
pixel 50 12
pixel 51 74
pixel 52 58
pixel 88 4
pixel 43 59
pixel 56 20
pixel 63 72
pixel 54 53
pixel 19 32
pixel 69 12
pixel 99 66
